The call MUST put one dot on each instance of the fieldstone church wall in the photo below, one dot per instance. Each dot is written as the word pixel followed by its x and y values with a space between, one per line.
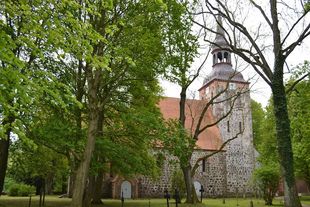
pixel 228 173
pixel 240 153
pixel 213 177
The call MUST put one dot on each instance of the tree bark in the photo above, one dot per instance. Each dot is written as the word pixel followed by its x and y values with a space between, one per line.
pixel 49 184
pixel 83 168
pixel 182 107
pixel 189 184
pixel 284 137
pixel 89 189
pixel 187 169
pixel 80 85
pixel 98 185
pixel 98 179
pixel 4 153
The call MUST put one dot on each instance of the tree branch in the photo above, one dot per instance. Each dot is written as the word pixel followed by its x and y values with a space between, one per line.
pixel 196 165
pixel 296 82
pixel 262 12
pixel 292 46
pixel 292 28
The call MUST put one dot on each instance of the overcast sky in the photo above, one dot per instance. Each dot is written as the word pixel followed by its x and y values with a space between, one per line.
pixel 260 91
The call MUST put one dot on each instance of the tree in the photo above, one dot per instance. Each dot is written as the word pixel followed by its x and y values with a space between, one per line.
pixel 253 50
pixel 298 103
pixel 267 175
pixel 179 38
pixel 267 179
pixel 267 145
pixel 29 43
pixel 102 52
pixel 127 53
pixel 125 147
pixel 182 45
pixel 37 165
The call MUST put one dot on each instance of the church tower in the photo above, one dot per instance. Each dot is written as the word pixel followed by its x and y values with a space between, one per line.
pixel 231 100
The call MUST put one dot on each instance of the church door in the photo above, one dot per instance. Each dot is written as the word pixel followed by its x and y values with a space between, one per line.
pixel 197 186
pixel 126 189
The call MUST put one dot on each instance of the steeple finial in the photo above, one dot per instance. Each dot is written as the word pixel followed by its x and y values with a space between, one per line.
pixel 219 28
pixel 219 41
pixel 220 46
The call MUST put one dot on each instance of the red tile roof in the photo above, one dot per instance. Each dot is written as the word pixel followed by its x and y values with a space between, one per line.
pixel 210 139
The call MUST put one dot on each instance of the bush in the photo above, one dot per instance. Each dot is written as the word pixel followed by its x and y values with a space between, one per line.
pixel 267 179
pixel 21 190
pixel 8 182
pixel 13 190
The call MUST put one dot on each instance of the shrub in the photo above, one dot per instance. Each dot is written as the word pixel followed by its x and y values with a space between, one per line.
pixel 267 179
pixel 25 190
pixel 8 182
pixel 13 190
pixel 21 190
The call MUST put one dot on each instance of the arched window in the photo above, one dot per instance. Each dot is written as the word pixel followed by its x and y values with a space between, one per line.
pixel 219 56
pixel 226 57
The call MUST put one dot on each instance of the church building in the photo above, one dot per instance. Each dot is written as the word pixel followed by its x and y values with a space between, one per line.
pixel 228 172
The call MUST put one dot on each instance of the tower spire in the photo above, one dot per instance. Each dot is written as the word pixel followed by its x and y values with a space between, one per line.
pixel 219 41
pixel 219 28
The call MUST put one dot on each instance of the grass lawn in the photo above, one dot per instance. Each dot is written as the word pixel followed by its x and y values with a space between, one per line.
pixel 54 201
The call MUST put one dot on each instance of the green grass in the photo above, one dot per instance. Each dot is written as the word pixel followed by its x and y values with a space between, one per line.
pixel 305 200
pixel 54 201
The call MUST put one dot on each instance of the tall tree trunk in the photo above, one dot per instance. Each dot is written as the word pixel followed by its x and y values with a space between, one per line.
pixel 187 169
pixel 87 199
pixel 284 138
pixel 182 116
pixel 80 87
pixel 49 184
pixel 98 179
pixel 83 168
pixel 188 183
pixel 97 193
pixel 4 153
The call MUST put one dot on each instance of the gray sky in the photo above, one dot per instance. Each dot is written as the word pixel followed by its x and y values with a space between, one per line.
pixel 260 91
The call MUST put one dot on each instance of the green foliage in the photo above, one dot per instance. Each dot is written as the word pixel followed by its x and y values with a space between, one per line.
pixel 298 106
pixel 267 179
pixel 307 5
pixel 177 182
pixel 267 176
pixel 128 140
pixel 178 142
pixel 180 41
pixel 267 143
pixel 28 162
pixel 258 118
pixel 160 159
pixel 30 43
pixel 8 182
pixel 21 190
